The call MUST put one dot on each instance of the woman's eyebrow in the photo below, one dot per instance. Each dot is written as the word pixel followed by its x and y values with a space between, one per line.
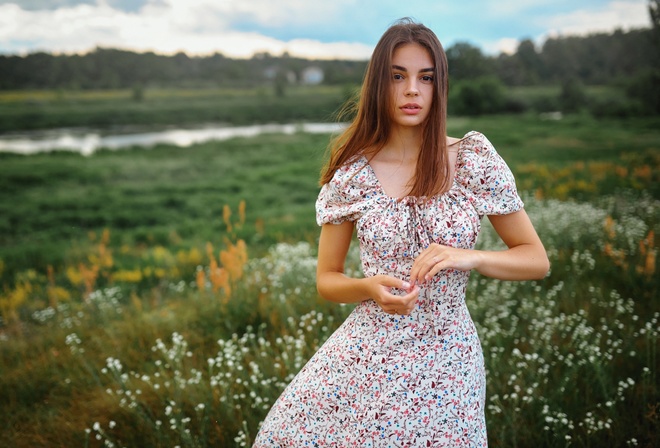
pixel 403 69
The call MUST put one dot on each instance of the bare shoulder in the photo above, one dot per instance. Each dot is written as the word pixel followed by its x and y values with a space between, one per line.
pixel 452 141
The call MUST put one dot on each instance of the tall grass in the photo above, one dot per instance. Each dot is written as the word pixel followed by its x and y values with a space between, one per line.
pixel 180 341
pixel 571 360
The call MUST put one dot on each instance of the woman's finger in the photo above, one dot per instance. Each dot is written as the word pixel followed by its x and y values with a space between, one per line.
pixel 400 304
pixel 426 261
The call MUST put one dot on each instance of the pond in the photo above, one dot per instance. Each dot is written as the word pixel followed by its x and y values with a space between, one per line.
pixel 87 141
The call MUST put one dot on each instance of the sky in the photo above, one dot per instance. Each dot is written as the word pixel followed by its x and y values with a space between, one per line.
pixel 313 29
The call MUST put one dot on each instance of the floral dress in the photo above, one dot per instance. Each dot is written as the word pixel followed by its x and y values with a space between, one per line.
pixel 413 380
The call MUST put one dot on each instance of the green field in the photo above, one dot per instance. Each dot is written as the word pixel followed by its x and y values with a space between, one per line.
pixel 141 306
pixel 30 110
pixel 106 109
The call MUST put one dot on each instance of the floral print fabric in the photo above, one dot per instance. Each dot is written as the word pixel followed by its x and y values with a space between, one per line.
pixel 386 380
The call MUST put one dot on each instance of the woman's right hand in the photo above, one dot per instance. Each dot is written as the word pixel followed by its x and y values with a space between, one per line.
pixel 332 284
pixel 381 287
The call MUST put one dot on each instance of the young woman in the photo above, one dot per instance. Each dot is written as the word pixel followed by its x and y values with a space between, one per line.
pixel 406 368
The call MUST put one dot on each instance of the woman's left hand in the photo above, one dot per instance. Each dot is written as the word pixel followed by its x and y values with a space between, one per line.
pixel 437 257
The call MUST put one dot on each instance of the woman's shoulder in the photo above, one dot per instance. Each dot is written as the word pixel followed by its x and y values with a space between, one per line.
pixel 472 140
pixel 350 169
pixel 476 152
pixel 486 176
pixel 452 142
pixel 354 178
pixel 474 145
pixel 347 193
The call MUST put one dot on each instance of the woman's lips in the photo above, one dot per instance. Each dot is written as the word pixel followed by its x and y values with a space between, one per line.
pixel 411 108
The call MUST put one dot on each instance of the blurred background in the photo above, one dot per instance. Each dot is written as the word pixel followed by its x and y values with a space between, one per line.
pixel 170 62
pixel 159 165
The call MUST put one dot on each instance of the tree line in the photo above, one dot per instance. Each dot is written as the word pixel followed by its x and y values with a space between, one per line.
pixel 595 60
pixel 110 68
pixel 626 60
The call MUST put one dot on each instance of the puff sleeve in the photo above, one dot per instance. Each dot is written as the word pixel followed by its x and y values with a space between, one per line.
pixel 487 178
pixel 345 197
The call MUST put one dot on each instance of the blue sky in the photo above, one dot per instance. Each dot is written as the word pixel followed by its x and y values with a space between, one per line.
pixel 306 28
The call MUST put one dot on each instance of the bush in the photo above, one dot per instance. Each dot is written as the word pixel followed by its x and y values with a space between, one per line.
pixel 545 103
pixel 646 88
pixel 573 96
pixel 615 108
pixel 481 96
pixel 515 106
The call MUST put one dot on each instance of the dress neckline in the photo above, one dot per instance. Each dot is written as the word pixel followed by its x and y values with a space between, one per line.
pixel 408 198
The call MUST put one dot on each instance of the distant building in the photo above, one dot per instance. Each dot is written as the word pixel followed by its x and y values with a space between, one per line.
pixel 312 75
pixel 273 72
pixel 291 77
pixel 270 72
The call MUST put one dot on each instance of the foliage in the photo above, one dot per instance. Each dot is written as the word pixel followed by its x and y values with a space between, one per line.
pixel 654 13
pixel 181 323
pixel 645 87
pixel 573 96
pixel 142 106
pixel 571 359
pixel 173 197
pixel 582 180
pixel 480 96
pixel 467 62
pixel 597 59
pixel 109 68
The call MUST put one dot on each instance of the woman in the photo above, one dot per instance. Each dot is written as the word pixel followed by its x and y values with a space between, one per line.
pixel 406 368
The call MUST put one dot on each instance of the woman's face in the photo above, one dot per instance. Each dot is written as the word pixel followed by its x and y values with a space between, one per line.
pixel 412 74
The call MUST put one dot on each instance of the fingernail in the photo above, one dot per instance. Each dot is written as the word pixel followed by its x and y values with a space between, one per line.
pixel 406 285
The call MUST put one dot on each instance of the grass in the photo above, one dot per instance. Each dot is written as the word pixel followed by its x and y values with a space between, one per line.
pixel 155 195
pixel 30 110
pixel 35 109
pixel 167 194
pixel 181 322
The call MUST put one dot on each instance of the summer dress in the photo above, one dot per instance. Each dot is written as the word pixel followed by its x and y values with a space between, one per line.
pixel 386 380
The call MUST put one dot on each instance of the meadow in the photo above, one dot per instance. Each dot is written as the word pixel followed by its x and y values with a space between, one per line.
pixel 164 297
pixel 31 110
pixel 42 109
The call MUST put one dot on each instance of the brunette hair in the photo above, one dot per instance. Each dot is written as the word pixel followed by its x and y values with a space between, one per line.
pixel 371 126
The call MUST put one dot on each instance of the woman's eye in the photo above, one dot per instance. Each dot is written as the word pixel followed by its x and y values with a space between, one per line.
pixel 427 78
pixel 397 76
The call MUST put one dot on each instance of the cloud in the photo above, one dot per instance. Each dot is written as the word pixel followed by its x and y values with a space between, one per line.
pixel 33 5
pixel 507 45
pixel 592 17
pixel 624 14
pixel 346 29
pixel 513 8
pixel 169 26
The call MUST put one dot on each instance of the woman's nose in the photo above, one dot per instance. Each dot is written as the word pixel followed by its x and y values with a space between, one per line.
pixel 411 88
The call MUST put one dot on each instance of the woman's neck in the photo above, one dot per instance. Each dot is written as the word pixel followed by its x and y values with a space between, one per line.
pixel 404 143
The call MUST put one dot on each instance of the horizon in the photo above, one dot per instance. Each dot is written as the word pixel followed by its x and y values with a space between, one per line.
pixel 306 30
pixel 285 54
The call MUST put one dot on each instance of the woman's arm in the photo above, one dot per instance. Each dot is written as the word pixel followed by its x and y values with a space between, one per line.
pixel 525 258
pixel 334 285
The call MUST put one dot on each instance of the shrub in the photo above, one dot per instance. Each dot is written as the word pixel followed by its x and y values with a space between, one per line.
pixel 646 89
pixel 573 96
pixel 615 108
pixel 481 96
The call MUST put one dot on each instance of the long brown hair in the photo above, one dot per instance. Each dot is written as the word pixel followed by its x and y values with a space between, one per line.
pixel 371 126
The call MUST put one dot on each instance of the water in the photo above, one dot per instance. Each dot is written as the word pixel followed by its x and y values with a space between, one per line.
pixel 88 141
